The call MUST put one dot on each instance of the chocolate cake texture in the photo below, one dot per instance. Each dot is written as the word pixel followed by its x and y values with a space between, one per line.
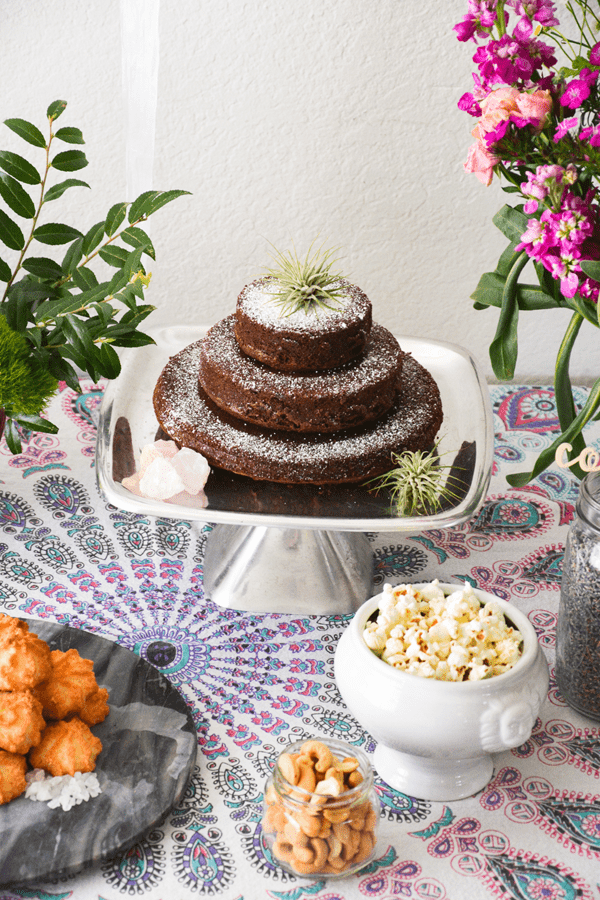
pixel 306 340
pixel 191 419
pixel 349 395
pixel 314 396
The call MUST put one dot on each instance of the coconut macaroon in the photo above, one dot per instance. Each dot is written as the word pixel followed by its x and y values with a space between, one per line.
pixel 450 637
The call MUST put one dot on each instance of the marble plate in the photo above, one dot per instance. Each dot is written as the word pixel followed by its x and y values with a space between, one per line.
pixel 149 751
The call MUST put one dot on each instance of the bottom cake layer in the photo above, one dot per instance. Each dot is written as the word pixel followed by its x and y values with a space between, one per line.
pixel 189 417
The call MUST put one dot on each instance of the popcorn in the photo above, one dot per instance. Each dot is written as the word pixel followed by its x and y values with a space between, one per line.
pixel 450 638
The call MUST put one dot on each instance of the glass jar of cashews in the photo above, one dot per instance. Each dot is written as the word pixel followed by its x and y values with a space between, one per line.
pixel 321 811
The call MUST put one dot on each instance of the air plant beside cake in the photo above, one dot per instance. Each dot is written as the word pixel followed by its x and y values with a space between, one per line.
pixel 538 129
pixel 58 317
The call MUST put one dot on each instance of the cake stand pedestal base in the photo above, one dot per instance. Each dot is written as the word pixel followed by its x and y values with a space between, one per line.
pixel 300 571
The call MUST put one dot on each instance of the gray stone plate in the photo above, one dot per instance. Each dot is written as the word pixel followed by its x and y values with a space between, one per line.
pixel 149 751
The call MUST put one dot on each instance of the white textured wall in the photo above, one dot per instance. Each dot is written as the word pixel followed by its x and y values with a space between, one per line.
pixel 287 120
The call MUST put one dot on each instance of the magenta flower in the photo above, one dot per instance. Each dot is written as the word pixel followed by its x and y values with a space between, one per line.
pixel 595 54
pixel 469 104
pixel 591 134
pixel 578 90
pixel 542 11
pixel 479 20
pixel 564 127
pixel 566 269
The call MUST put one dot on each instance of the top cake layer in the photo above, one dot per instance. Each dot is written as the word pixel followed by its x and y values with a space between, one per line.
pixel 306 340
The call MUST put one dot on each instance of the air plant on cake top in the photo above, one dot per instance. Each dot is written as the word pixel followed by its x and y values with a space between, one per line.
pixel 307 284
pixel 57 316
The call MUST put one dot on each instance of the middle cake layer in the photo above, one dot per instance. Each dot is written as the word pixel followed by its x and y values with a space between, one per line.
pixel 354 394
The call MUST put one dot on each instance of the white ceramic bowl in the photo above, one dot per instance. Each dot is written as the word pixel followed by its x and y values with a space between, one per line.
pixel 436 738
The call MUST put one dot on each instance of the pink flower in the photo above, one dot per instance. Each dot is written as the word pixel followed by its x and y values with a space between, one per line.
pixel 578 90
pixel 481 162
pixel 564 127
pixel 595 54
pixel 535 107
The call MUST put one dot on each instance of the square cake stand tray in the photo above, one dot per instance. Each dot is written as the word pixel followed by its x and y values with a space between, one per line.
pixel 292 548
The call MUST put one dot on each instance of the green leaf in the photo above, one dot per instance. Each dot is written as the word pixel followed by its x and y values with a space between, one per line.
pixel 114 218
pixel 69 161
pixel 73 256
pixel 55 233
pixel 133 317
pixel 507 259
pixel 42 267
pixel 35 423
pixel 133 339
pixel 63 371
pixel 591 267
pixel 150 201
pixel 10 233
pixel 57 190
pixel 93 238
pixel 584 307
pixel 12 436
pixel 17 308
pixel 114 256
pixel 27 131
pixel 16 197
pixel 56 109
pixel 547 456
pixel 137 210
pixel 70 135
pixel 109 363
pixel 137 237
pixel 504 347
pixel 18 167
pixel 105 313
pixel 34 291
pixel 5 272
pixel 77 332
pixel 133 263
pixel 511 222
pixel 84 278
pixel 563 390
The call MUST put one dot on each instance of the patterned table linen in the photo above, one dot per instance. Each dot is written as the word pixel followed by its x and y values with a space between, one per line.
pixel 256 682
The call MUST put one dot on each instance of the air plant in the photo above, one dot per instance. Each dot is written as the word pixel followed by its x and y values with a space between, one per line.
pixel 416 483
pixel 307 284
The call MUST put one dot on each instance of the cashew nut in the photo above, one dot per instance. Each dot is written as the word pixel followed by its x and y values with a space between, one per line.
pixel 320 753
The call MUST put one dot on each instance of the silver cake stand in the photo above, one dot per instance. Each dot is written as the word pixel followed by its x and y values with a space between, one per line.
pixel 292 549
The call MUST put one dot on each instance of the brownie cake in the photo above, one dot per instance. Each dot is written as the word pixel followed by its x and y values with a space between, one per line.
pixel 302 341
pixel 353 394
pixel 336 420
pixel 191 419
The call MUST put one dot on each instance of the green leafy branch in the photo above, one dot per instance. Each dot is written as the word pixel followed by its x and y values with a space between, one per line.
pixel 501 288
pixel 67 317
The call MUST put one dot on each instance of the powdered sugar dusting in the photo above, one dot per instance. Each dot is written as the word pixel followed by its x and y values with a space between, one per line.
pixel 258 301
pixel 380 361
pixel 188 417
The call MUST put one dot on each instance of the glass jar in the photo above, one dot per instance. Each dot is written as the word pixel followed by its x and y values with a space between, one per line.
pixel 321 816
pixel 578 627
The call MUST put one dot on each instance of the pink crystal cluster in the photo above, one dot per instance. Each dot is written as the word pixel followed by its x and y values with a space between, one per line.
pixel 539 126
pixel 170 474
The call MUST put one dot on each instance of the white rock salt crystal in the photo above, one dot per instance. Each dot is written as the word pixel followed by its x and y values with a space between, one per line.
pixel 160 480
pixel 192 468
pixel 65 791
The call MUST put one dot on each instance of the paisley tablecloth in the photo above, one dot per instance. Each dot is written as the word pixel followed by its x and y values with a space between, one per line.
pixel 255 682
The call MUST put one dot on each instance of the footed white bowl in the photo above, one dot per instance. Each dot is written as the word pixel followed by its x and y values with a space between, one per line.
pixel 436 738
